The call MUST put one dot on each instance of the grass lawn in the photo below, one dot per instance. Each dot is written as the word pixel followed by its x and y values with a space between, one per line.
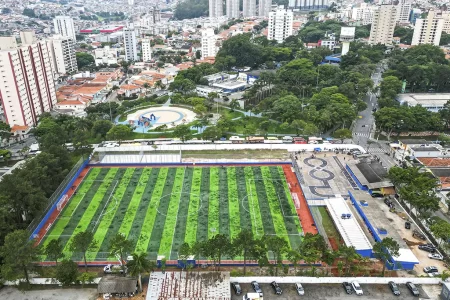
pixel 236 154
pixel 328 224
pixel 159 209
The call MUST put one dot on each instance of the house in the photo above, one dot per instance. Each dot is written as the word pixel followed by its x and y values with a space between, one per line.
pixel 128 90
pixel 20 132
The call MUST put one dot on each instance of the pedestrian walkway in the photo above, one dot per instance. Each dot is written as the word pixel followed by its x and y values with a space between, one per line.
pixel 376 150
pixel 364 134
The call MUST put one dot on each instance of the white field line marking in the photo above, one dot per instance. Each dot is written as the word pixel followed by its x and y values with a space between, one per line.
pixel 106 204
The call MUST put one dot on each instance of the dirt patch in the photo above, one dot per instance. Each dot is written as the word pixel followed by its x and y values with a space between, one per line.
pixel 412 243
pixel 333 243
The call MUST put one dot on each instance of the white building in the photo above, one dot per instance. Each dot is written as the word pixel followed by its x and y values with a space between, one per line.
pixel 129 40
pixel 146 50
pixel 249 8
pixel 308 4
pixel 62 50
pixel 280 24
pixel 152 17
pixel 264 8
pixel 233 9
pixel 384 19
pixel 27 86
pixel 428 30
pixel 431 101
pixel 403 11
pixel 215 9
pixel 106 55
pixel 209 48
pixel 64 26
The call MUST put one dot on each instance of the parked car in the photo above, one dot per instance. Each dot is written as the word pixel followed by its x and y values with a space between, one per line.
pixel 427 248
pixel 276 288
pixel 434 274
pixel 110 269
pixel 357 288
pixel 436 256
pixel 347 287
pixel 394 288
pixel 236 287
pixel 413 289
pixel 430 269
pixel 256 287
pixel 418 234
pixel 407 225
pixel 300 289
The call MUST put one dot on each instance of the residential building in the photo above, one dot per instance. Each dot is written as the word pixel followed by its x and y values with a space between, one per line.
pixel 249 8
pixel 209 48
pixel 62 50
pixel 106 55
pixel 428 30
pixel 129 39
pixel 146 50
pixel 64 26
pixel 414 15
pixel 308 4
pixel 384 19
pixel 280 24
pixel 152 17
pixel 26 85
pixel 215 8
pixel 233 8
pixel 403 11
pixel 264 8
pixel 329 41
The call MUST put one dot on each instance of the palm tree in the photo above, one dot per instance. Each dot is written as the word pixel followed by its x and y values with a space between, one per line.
pixel 138 265
pixel 146 87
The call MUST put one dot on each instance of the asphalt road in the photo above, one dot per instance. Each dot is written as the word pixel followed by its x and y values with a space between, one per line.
pixel 330 291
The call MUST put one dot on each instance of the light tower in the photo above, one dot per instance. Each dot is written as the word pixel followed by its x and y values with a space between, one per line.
pixel 347 36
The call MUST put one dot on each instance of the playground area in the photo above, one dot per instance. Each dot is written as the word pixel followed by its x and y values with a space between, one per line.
pixel 152 117
pixel 159 208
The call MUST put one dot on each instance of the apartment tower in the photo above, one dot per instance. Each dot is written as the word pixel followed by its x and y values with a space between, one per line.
pixel 62 50
pixel 215 9
pixel 264 8
pixel 129 39
pixel 248 8
pixel 209 48
pixel 280 24
pixel 429 29
pixel 146 50
pixel 64 26
pixel 233 9
pixel 384 19
pixel 27 88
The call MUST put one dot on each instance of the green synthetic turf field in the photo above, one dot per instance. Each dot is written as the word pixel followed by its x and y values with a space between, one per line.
pixel 158 209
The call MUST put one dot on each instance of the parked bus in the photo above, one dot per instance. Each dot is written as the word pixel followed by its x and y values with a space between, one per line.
pixel 237 140
pixel 255 139
pixel 287 139
pixel 299 140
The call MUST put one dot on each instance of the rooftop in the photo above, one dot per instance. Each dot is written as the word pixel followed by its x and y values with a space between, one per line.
pixel 435 162
pixel 373 171
pixel 414 141
pixel 230 84
pixel 424 99
pixel 425 149
pixel 116 285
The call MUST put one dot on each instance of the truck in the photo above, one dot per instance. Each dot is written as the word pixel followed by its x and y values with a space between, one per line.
pixel 253 296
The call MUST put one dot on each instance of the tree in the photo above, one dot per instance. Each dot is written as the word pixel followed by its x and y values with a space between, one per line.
pixel 342 134
pixel 101 127
pixel 278 246
pixel 441 230
pixel 244 243
pixel 67 272
pixel 349 255
pixel 242 49
pixel 19 255
pixel 120 246
pixel 119 133
pixel 219 245
pixel 390 87
pixel 298 126
pixel 212 133
pixel 5 131
pixel 234 104
pixel 385 249
pixel 183 132
pixel 182 85
pixel 54 250
pixel 138 265
pixel 83 242
pixel 84 60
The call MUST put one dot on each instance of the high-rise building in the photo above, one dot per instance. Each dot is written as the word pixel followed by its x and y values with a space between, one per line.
pixel 215 8
pixel 308 4
pixel 64 26
pixel 384 19
pixel 209 39
pixel 264 8
pixel 429 29
pixel 62 50
pixel 233 8
pixel 146 50
pixel 27 88
pixel 129 40
pixel 249 8
pixel 152 17
pixel 403 11
pixel 280 24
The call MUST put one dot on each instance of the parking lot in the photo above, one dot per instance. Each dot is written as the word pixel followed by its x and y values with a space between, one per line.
pixel 329 291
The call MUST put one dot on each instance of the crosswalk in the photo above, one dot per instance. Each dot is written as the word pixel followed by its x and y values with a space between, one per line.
pixel 377 150
pixel 363 134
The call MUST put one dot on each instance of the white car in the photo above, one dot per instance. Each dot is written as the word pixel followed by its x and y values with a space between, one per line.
pixel 436 256
pixel 434 274
pixel 300 289
pixel 357 288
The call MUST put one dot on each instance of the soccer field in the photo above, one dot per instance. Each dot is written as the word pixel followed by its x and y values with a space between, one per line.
pixel 158 209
